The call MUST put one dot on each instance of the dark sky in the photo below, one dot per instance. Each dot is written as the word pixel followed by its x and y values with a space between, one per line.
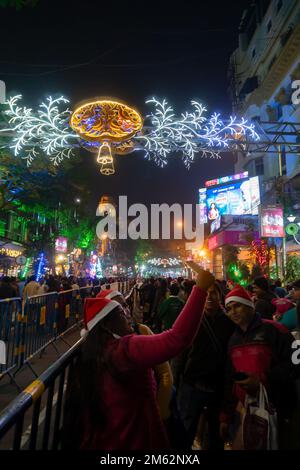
pixel 133 52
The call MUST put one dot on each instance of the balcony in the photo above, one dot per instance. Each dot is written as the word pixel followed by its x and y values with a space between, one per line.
pixel 282 65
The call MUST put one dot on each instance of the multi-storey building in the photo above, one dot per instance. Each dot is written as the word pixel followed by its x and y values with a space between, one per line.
pixel 263 71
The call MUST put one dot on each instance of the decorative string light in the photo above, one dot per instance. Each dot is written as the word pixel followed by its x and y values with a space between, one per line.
pixel 261 252
pixel 48 131
pixel 164 262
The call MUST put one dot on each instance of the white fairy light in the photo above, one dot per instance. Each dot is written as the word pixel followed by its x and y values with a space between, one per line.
pixel 47 130
pixel 190 134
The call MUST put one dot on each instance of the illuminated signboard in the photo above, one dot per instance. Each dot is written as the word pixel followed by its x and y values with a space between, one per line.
pixel 10 252
pixel 271 222
pixel 226 179
pixel 61 245
pixel 238 197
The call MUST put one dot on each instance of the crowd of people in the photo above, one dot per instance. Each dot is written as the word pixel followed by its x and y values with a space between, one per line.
pixel 11 287
pixel 188 369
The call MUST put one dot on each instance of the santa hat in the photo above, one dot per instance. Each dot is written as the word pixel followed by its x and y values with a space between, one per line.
pixel 95 309
pixel 108 294
pixel 239 294
pixel 282 305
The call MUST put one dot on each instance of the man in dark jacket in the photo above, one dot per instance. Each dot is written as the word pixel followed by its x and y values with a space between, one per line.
pixel 264 296
pixel 201 371
pixel 260 351
pixel 170 308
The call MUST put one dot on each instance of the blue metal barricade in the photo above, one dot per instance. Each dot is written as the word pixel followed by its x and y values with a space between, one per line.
pixel 10 332
pixel 40 325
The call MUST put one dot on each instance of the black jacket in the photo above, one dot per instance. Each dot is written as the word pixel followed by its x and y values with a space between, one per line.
pixel 204 362
pixel 264 306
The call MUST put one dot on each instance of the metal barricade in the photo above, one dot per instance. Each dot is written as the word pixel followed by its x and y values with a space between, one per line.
pixel 43 396
pixel 40 324
pixel 10 333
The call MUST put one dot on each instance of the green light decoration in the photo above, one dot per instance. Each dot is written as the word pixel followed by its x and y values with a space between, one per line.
pixel 236 274
pixel 26 268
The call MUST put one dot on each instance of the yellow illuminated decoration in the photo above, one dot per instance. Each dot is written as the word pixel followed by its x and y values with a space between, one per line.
pixel 109 123
pixel 9 252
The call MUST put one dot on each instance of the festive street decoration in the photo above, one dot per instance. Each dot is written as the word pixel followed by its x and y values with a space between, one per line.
pixel 293 229
pixel 41 267
pixel 109 127
pixel 45 130
pixel 164 262
pixel 261 253
pixel 26 268
pixel 107 124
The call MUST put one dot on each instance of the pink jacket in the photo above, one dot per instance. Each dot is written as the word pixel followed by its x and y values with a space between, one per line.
pixel 127 393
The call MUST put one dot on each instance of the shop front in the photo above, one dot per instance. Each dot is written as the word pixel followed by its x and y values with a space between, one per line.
pixel 10 253
pixel 221 241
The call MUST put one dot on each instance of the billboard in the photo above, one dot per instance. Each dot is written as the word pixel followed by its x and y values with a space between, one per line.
pixel 271 222
pixel 239 197
pixel 61 245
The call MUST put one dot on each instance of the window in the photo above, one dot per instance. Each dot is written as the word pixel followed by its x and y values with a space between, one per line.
pixel 279 5
pixel 269 26
pixel 253 53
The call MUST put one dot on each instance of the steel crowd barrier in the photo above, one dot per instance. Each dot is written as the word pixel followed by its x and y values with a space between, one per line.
pixel 10 333
pixel 47 391
pixel 39 324
pixel 27 328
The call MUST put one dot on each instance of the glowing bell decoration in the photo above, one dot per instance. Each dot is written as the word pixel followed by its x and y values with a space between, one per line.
pixel 104 154
pixel 106 126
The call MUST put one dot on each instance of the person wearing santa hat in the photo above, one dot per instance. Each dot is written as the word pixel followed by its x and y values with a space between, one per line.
pixel 111 395
pixel 163 373
pixel 258 353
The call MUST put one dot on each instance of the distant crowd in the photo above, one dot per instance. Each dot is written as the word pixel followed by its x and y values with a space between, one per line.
pixel 11 287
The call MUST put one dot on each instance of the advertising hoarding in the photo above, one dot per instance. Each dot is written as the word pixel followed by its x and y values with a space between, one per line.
pixel 61 245
pixel 240 197
pixel 271 222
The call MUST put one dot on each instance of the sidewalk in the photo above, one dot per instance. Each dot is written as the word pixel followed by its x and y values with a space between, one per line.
pixel 8 390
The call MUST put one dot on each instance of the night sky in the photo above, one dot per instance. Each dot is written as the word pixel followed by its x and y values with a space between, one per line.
pixel 133 52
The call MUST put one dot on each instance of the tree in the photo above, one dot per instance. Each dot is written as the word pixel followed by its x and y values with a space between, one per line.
pixel 256 271
pixel 245 272
pixel 230 256
pixel 18 4
pixel 292 268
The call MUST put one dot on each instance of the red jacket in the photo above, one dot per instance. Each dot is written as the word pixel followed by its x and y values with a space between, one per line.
pixel 263 350
pixel 127 393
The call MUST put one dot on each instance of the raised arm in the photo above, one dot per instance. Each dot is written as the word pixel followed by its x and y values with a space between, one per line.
pixel 147 351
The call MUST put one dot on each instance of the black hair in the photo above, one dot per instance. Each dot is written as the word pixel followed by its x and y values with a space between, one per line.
pixel 174 289
pixel 82 408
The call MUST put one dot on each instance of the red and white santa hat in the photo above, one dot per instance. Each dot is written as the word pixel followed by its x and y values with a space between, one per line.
pixel 108 294
pixel 95 309
pixel 239 294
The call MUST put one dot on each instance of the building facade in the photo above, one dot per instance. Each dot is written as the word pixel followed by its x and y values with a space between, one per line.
pixel 263 73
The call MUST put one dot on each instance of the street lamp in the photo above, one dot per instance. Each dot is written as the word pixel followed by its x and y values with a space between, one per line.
pixel 291 218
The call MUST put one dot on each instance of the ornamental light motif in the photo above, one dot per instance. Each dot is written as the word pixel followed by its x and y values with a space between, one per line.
pixel 109 127
pixel 164 262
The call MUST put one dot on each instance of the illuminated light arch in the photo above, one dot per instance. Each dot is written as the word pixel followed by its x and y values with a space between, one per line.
pixel 110 127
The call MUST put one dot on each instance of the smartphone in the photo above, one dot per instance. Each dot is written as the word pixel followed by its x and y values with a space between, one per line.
pixel 238 376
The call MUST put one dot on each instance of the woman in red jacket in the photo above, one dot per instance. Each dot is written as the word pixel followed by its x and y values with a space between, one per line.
pixel 111 398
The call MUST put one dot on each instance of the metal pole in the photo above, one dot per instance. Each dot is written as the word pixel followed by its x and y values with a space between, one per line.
pixel 283 239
